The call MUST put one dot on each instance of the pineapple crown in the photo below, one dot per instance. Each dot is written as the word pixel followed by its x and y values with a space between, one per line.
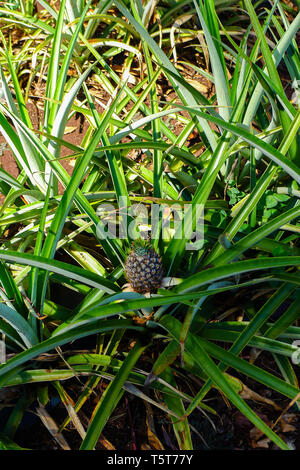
pixel 141 246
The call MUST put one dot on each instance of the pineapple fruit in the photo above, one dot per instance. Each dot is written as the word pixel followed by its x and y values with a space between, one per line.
pixel 143 268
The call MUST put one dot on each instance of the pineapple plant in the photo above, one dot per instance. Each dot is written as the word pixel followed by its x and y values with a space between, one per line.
pixel 143 268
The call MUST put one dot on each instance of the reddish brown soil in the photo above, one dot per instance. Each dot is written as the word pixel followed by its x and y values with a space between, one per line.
pixel 7 160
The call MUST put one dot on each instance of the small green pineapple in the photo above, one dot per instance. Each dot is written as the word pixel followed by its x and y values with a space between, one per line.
pixel 143 268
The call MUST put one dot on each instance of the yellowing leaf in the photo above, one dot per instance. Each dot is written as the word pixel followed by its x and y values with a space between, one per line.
pixel 152 438
pixel 70 129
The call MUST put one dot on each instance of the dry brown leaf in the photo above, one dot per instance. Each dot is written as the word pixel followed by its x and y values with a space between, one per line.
pixel 263 443
pixel 152 438
pixel 284 412
pixel 287 427
pixel 254 353
pixel 52 427
pixel 289 417
pixel 106 443
pixel 75 419
pixel 70 129
pixel 199 86
pixel 145 446
pixel 256 434
pixel 286 422
pixel 249 394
